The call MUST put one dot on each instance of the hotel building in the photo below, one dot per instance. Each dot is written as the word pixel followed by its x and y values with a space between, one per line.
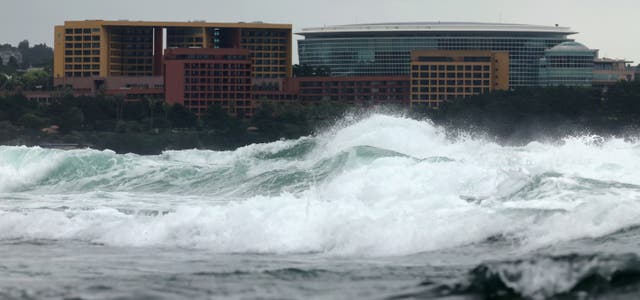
pixel 439 75
pixel 201 77
pixel 97 48
pixel 385 49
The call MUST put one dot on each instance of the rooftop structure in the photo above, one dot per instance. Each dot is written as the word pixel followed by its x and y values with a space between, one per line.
pixel 413 27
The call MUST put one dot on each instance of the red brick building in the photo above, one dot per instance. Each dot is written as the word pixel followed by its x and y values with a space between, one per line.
pixel 201 77
pixel 354 90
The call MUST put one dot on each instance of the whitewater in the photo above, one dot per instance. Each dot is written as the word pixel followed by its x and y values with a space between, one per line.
pixel 377 207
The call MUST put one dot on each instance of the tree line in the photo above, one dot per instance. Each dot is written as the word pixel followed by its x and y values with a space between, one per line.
pixel 517 116
pixel 131 124
pixel 34 70
pixel 527 114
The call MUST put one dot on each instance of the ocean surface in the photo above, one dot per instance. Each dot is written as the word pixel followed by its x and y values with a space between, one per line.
pixel 381 207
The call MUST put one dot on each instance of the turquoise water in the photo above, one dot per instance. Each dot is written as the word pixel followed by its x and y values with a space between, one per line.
pixel 383 207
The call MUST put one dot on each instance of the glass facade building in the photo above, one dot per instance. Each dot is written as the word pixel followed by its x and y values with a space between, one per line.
pixel 568 64
pixel 385 49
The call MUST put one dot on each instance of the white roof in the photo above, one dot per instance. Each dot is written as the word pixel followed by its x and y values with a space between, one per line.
pixel 438 27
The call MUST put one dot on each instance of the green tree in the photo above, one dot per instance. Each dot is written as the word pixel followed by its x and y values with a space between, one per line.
pixel 37 79
pixel 31 120
pixel 40 56
pixel 72 119
pixel 181 117
pixel 4 78
pixel 24 45
pixel 12 65
pixel 218 119
pixel 624 97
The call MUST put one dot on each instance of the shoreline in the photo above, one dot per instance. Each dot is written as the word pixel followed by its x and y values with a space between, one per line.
pixel 151 143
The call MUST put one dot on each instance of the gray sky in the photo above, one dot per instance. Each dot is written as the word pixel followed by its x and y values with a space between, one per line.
pixel 610 26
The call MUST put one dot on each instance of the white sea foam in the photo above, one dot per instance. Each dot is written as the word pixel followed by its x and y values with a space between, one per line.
pixel 334 197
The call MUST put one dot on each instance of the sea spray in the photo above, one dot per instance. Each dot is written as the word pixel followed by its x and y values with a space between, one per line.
pixel 381 186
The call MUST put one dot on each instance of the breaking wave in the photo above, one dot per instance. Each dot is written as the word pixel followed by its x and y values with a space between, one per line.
pixel 382 186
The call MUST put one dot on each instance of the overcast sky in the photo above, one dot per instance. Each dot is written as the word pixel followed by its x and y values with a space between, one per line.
pixel 612 26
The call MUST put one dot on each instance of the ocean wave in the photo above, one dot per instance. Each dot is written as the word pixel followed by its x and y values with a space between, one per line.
pixel 547 277
pixel 384 185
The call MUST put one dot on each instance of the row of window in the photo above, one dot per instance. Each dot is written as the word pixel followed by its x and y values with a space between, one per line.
pixel 79 38
pixel 269 62
pixel 269 75
pixel 209 74
pixel 130 46
pixel 81 74
pixel 439 90
pixel 246 33
pixel 81 52
pixel 209 57
pixel 130 31
pixel 131 61
pixel 449 95
pixel 266 48
pixel 117 53
pixel 450 67
pixel 217 88
pixel 131 39
pixel 352 91
pixel 192 80
pixel 223 103
pixel 85 59
pixel 81 67
pixel 450 82
pixel 81 30
pixel 450 75
pixel 351 83
pixel 216 66
pixel 263 41
pixel 81 45
pixel 352 98
pixel 184 39
pixel 269 69
pixel 132 68
pixel 189 95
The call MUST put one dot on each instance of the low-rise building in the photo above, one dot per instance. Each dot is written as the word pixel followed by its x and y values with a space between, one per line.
pixel 355 90
pixel 131 88
pixel 443 75
pixel 607 72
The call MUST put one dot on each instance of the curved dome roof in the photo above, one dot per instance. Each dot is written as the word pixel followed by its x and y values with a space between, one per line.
pixel 436 27
pixel 570 46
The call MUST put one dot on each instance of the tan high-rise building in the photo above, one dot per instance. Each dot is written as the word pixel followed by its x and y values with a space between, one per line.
pixel 97 48
pixel 442 75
